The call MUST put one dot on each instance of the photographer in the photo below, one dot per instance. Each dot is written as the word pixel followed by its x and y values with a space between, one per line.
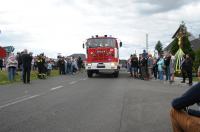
pixel 182 118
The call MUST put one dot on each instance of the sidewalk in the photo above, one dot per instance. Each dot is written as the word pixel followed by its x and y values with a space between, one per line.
pixel 177 80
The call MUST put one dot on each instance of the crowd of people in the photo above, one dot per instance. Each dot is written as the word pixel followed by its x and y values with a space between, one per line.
pixel 183 118
pixel 23 62
pixel 69 65
pixel 163 68
pixel 144 67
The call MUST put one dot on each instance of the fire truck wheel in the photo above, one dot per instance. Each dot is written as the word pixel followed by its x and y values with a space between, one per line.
pixel 116 74
pixel 89 73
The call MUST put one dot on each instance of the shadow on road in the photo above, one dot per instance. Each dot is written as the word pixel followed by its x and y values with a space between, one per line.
pixel 110 76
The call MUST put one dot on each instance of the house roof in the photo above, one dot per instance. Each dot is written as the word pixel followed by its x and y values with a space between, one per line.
pixel 195 45
pixel 83 57
pixel 168 47
pixel 175 34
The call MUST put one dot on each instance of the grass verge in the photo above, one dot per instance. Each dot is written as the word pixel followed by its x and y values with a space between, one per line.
pixel 4 76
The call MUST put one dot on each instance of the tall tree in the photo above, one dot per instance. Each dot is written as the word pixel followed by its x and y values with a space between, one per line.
pixel 159 47
pixel 197 60
pixel 187 47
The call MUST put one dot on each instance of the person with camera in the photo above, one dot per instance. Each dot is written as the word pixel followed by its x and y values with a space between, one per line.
pixel 184 119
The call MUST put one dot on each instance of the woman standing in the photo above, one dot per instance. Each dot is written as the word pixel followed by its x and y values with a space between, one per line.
pixel 11 67
pixel 172 66
pixel 160 64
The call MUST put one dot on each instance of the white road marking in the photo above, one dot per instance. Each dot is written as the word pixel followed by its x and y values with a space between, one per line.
pixel 52 89
pixel 18 101
pixel 73 82
pixel 15 99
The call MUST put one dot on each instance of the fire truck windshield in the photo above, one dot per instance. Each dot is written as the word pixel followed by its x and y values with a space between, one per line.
pixel 101 42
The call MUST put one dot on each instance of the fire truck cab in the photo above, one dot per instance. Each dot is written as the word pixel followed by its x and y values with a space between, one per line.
pixel 102 55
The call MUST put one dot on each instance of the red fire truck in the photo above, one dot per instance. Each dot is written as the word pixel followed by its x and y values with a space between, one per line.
pixel 102 55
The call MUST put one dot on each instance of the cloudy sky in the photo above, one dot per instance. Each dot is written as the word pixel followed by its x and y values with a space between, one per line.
pixel 61 26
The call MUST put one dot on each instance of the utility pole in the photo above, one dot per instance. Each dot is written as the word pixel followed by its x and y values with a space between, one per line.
pixel 147 42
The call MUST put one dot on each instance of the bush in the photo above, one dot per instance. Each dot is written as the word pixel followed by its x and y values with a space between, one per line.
pixel 196 63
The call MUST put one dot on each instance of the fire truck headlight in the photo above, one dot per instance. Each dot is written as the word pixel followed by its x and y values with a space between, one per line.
pixel 89 64
pixel 112 64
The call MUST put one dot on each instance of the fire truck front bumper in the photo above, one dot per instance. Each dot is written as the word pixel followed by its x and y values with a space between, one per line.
pixel 107 67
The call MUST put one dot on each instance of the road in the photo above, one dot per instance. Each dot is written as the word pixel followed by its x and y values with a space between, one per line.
pixel 76 103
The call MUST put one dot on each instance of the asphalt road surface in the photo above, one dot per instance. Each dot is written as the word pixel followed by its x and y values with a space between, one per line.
pixel 76 103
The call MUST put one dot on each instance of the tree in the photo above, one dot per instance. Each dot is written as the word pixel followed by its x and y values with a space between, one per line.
pixel 196 63
pixel 187 47
pixel 174 47
pixel 159 47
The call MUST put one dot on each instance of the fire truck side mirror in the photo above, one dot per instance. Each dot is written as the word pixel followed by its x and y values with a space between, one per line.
pixel 120 44
pixel 83 45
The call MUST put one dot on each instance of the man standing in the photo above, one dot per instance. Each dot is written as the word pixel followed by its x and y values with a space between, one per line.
pixel 61 65
pixel 80 63
pixel 1 64
pixel 187 69
pixel 188 65
pixel 134 65
pixel 26 63
pixel 183 68
pixel 129 66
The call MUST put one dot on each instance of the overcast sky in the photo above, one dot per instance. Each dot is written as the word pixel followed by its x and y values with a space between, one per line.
pixel 61 26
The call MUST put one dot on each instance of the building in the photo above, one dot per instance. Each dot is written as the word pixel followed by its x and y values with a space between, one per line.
pixel 195 42
pixel 83 57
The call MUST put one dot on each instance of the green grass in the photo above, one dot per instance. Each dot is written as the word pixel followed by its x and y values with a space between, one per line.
pixel 196 79
pixel 4 76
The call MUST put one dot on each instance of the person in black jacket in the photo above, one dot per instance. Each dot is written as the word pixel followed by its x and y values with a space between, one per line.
pixel 134 65
pixel 183 69
pixel 61 65
pixel 1 64
pixel 144 68
pixel 26 63
pixel 41 66
pixel 184 119
pixel 167 66
pixel 188 68
pixel 80 63
pixel 155 68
